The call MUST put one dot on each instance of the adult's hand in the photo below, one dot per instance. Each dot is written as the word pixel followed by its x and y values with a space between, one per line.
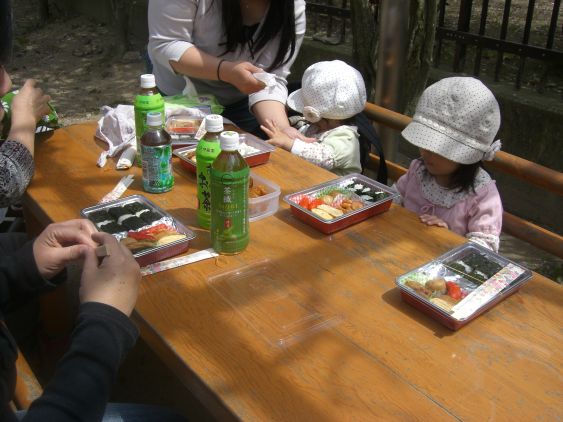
pixel 240 75
pixel 61 243
pixel 114 281
pixel 29 104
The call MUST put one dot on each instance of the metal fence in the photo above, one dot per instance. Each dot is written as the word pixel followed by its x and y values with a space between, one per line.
pixel 514 41
pixel 498 39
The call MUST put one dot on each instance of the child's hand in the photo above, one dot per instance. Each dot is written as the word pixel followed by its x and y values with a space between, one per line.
pixel 277 136
pixel 432 220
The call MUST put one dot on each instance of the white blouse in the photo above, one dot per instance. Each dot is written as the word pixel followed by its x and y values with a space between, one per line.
pixel 176 25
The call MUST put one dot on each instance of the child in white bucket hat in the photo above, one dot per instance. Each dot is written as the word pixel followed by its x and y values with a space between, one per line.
pixel 332 94
pixel 454 125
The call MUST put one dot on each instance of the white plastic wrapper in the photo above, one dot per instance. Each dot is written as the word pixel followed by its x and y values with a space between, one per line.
pixel 268 79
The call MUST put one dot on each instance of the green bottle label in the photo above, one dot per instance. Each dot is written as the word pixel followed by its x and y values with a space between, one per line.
pixel 157 168
pixel 229 210
pixel 143 105
pixel 206 152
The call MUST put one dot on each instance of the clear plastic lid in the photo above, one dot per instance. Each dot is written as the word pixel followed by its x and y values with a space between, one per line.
pixel 148 81
pixel 258 293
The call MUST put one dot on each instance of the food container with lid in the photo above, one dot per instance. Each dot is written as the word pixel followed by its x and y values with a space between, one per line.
pixel 182 130
pixel 339 203
pixel 266 204
pixel 460 285
pixel 254 150
pixel 148 231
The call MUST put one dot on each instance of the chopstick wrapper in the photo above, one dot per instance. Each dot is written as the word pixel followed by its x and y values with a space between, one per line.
pixel 178 262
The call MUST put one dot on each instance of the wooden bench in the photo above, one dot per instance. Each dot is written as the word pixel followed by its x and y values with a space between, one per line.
pixel 27 385
pixel 540 176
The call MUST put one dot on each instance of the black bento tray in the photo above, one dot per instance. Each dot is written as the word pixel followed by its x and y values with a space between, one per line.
pixel 151 254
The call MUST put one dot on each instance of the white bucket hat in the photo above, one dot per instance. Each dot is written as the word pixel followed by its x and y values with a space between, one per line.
pixel 330 90
pixel 457 118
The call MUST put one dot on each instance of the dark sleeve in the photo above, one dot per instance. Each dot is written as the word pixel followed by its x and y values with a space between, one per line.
pixel 81 386
pixel 16 171
pixel 20 279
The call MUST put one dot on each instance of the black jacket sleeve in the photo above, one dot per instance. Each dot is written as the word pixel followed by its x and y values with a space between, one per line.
pixel 81 386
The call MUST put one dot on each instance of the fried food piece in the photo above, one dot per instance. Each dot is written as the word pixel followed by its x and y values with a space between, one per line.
pixel 418 288
pixel 327 199
pixel 323 214
pixel 335 212
pixel 257 191
pixel 437 285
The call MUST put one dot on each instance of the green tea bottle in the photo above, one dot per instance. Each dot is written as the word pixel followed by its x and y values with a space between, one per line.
pixel 229 198
pixel 207 150
pixel 156 156
pixel 148 99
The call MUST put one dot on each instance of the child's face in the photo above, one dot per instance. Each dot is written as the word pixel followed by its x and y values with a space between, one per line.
pixel 437 165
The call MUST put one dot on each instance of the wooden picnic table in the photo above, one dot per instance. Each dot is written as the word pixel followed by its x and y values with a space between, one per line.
pixel 383 360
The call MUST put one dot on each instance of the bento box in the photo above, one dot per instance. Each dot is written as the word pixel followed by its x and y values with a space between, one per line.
pixel 339 203
pixel 463 283
pixel 263 198
pixel 254 150
pixel 148 231
pixel 182 130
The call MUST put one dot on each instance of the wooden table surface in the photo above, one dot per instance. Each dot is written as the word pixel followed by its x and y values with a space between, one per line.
pixel 384 360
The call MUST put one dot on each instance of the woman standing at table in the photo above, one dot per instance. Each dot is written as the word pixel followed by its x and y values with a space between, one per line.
pixel 16 152
pixel 219 44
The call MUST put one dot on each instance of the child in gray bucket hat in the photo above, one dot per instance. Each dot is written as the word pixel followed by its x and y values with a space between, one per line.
pixel 454 126
pixel 332 94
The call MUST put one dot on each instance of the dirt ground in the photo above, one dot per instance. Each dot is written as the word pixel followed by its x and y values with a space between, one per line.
pixel 74 61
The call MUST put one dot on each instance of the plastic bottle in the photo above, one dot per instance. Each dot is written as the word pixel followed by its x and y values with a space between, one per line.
pixel 148 99
pixel 229 198
pixel 156 156
pixel 207 150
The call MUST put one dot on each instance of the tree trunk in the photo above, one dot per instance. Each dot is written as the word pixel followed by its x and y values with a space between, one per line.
pixel 119 24
pixel 421 35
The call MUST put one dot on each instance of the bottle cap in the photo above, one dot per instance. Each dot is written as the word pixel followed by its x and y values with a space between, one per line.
pixel 214 123
pixel 154 118
pixel 148 81
pixel 229 141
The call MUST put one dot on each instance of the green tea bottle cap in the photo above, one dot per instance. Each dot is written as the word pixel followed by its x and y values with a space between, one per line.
pixel 229 141
pixel 148 81
pixel 214 123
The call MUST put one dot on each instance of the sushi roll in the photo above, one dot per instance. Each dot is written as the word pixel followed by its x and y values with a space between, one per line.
pixel 133 223
pixel 135 207
pixel 150 217
pixel 117 212
pixel 99 216
pixel 112 228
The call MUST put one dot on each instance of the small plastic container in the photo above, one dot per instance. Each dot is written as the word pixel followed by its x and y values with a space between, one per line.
pixel 258 294
pixel 265 205
pixel 483 279
pixel 182 130
pixel 149 255
pixel 261 156
pixel 369 208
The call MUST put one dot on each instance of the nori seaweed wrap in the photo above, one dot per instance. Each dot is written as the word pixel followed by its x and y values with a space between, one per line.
pixel 117 212
pixel 99 216
pixel 112 228
pixel 133 223
pixel 135 207
pixel 150 217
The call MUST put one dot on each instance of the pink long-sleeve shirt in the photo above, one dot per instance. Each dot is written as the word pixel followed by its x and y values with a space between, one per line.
pixel 476 215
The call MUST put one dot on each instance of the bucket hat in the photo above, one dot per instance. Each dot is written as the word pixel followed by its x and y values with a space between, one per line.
pixel 457 118
pixel 330 90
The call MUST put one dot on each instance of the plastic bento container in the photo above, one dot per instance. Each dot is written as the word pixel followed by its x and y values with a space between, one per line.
pixel 259 155
pixel 152 253
pixel 483 278
pixel 355 187
pixel 265 205
pixel 182 130
pixel 265 303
